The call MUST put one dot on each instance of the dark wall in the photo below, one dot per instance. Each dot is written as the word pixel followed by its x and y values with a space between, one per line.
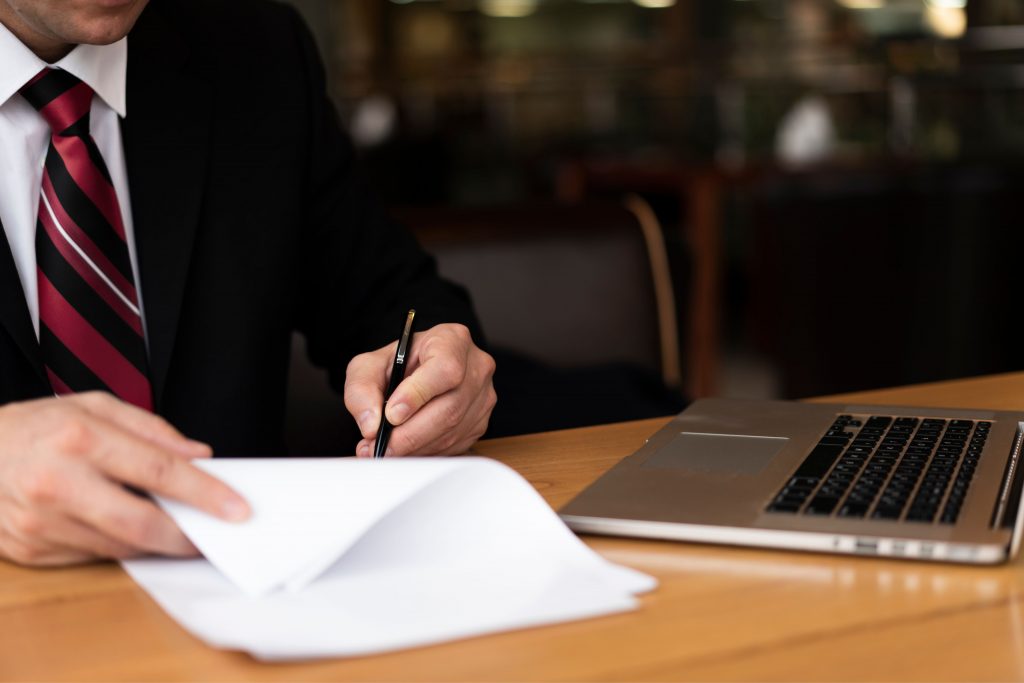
pixel 867 279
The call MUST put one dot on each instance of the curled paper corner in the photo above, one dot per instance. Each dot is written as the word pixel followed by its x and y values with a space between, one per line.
pixel 363 557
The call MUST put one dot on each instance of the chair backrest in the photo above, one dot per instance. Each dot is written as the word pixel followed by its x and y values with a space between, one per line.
pixel 568 285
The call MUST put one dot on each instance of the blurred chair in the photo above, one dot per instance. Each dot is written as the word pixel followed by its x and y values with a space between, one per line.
pixel 690 201
pixel 577 306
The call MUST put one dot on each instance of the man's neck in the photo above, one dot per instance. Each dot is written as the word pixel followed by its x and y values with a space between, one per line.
pixel 49 49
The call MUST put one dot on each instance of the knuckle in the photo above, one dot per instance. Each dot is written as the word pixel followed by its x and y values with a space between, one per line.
pixel 447 443
pixel 482 427
pixel 136 529
pixel 72 435
pixel 119 552
pixel 41 486
pixel 158 471
pixel 96 398
pixel 26 525
pixel 451 416
pixel 487 364
pixel 452 371
pixel 460 331
pixel 24 553
pixel 479 431
pixel 403 443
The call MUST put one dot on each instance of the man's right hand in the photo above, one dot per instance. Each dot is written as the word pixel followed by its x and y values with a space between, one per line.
pixel 64 465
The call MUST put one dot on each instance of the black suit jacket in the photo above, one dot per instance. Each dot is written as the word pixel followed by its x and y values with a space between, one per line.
pixel 250 222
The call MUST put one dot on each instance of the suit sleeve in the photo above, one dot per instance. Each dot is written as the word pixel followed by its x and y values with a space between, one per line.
pixel 360 271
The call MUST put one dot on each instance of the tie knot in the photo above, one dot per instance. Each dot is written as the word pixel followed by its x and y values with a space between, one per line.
pixel 61 99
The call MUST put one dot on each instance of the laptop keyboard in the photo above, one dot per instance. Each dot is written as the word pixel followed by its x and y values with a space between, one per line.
pixel 887 468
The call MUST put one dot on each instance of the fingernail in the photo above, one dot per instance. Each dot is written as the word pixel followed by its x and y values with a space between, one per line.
pixel 363 451
pixel 234 510
pixel 368 421
pixel 389 452
pixel 398 413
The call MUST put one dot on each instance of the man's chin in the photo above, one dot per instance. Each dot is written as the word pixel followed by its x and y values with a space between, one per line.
pixel 102 31
pixel 108 22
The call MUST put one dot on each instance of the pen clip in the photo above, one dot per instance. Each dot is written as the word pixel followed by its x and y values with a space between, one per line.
pixel 403 343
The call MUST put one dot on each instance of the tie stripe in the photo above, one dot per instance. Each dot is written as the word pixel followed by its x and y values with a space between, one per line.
pixel 95 302
pixel 97 161
pixel 56 220
pixel 88 345
pixel 82 169
pixel 47 85
pixel 91 334
pixel 71 201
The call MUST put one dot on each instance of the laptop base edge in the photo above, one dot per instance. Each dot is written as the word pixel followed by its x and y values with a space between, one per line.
pixel 846 544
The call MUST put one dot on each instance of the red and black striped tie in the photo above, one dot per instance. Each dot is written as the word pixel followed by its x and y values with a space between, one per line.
pixel 90 328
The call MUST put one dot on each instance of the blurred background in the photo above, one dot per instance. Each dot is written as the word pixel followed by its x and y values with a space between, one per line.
pixel 834 182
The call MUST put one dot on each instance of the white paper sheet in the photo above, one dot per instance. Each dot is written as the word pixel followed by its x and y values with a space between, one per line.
pixel 348 557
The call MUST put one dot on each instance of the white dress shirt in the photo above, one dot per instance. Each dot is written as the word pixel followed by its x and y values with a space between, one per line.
pixel 25 136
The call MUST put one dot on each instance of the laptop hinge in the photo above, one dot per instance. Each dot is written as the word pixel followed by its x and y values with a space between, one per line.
pixel 1005 514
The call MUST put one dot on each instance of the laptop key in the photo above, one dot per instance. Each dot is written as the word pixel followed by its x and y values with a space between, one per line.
pixel 821 506
pixel 853 510
pixel 818 461
pixel 907 455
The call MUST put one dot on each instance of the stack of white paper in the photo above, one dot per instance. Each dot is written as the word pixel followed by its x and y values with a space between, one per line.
pixel 349 557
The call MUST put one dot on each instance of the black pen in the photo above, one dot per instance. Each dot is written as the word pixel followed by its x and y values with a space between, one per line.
pixel 397 373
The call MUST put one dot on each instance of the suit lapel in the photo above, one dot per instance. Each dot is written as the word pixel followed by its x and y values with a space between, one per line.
pixel 14 315
pixel 166 140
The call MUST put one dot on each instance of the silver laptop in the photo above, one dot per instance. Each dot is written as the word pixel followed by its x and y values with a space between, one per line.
pixel 894 481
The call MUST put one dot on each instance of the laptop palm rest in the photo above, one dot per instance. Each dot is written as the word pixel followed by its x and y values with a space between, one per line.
pixel 719 453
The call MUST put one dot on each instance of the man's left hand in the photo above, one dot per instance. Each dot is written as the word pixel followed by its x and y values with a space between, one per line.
pixel 443 405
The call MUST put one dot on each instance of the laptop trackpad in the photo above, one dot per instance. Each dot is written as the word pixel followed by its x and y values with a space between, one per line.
pixel 723 453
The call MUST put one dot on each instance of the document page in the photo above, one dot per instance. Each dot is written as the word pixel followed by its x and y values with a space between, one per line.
pixel 348 556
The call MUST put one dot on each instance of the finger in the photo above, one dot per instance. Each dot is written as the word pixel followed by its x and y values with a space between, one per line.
pixel 53 534
pixel 31 555
pixel 468 432
pixel 479 387
pixel 142 423
pixel 128 519
pixel 461 443
pixel 441 368
pixel 475 434
pixel 438 420
pixel 125 458
pixel 77 536
pixel 365 379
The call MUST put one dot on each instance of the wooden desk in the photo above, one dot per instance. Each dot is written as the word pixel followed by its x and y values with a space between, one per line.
pixel 719 614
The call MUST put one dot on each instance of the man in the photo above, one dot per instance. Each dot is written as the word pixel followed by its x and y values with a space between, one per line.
pixel 199 160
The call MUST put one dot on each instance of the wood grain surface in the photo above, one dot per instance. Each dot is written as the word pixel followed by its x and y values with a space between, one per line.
pixel 723 614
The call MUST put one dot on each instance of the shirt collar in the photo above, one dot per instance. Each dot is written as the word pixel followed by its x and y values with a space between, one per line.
pixel 103 68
